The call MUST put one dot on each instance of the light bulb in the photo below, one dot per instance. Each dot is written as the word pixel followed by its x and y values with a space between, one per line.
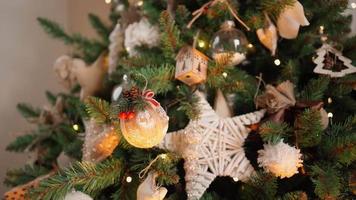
pixel 224 74
pixel 139 3
pixel 107 1
pixel 330 115
pixel 163 156
pixel 75 127
pixel 201 43
pixel 250 45
pixel 353 5
pixel 330 100
pixel 236 179
pixel 277 62
pixel 129 179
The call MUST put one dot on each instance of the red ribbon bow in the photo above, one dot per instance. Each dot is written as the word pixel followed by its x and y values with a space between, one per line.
pixel 148 95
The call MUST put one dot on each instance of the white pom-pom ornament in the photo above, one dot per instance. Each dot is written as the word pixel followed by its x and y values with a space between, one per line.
pixel 280 159
pixel 76 195
pixel 139 34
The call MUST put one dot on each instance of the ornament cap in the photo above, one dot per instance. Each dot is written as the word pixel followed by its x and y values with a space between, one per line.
pixel 228 24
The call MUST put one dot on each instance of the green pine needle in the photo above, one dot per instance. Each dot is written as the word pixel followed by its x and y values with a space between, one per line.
pixel 98 109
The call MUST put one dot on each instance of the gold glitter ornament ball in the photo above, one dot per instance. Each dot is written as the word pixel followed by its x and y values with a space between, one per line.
pixel 147 128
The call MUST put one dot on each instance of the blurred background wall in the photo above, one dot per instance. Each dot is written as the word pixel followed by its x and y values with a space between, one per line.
pixel 27 55
pixel 26 58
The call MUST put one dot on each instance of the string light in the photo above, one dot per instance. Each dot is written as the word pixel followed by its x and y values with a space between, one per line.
pixel 330 100
pixel 236 179
pixel 201 44
pixel 353 5
pixel 129 179
pixel 139 3
pixel 107 1
pixel 277 62
pixel 163 156
pixel 330 115
pixel 224 74
pixel 75 127
pixel 250 46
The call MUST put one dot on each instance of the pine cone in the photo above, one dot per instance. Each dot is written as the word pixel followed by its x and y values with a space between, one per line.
pixel 135 92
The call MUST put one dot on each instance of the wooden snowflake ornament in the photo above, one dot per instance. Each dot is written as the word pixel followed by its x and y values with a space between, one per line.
pixel 212 146
pixel 331 62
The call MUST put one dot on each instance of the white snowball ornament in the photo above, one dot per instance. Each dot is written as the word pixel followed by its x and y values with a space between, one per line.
pixel 139 34
pixel 289 21
pixel 148 190
pixel 77 195
pixel 280 159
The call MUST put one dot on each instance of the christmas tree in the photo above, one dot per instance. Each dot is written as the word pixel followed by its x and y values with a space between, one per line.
pixel 177 99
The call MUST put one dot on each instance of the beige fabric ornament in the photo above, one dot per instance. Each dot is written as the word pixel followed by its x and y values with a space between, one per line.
pixel 148 190
pixel 326 64
pixel 268 36
pixel 116 46
pixel 212 146
pixel 221 106
pixel 277 98
pixel 63 68
pixel 100 141
pixel 289 21
pixel 280 159
pixel 90 78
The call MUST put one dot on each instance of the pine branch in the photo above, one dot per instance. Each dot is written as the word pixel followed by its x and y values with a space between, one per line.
pixel 98 109
pixel 102 30
pixel 275 7
pixel 89 176
pixel 261 186
pixel 315 89
pixel 15 177
pixel 51 97
pixel 308 128
pixel 326 180
pixel 55 30
pixel 21 143
pixel 188 102
pixel 27 111
pixel 170 35
pixel 273 132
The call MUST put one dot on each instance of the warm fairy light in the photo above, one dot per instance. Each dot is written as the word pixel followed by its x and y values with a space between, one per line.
pixel 353 5
pixel 277 62
pixel 163 156
pixel 321 29
pixel 330 115
pixel 250 45
pixel 139 3
pixel 107 1
pixel 129 179
pixel 201 43
pixel 75 127
pixel 236 179
pixel 224 74
pixel 330 100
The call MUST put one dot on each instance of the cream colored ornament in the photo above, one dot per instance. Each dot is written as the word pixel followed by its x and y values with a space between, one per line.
pixel 100 141
pixel 221 106
pixel 268 36
pixel 148 189
pixel 90 78
pixel 64 161
pixel 290 19
pixel 116 46
pixel 212 146
pixel 326 50
pixel 280 159
pixel 191 66
pixel 324 118
pixel 147 128
pixel 77 195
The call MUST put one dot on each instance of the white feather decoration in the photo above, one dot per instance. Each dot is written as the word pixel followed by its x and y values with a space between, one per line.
pixel 141 33
pixel 280 159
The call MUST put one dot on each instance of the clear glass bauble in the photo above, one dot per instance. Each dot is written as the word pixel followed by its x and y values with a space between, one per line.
pixel 147 128
pixel 230 43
